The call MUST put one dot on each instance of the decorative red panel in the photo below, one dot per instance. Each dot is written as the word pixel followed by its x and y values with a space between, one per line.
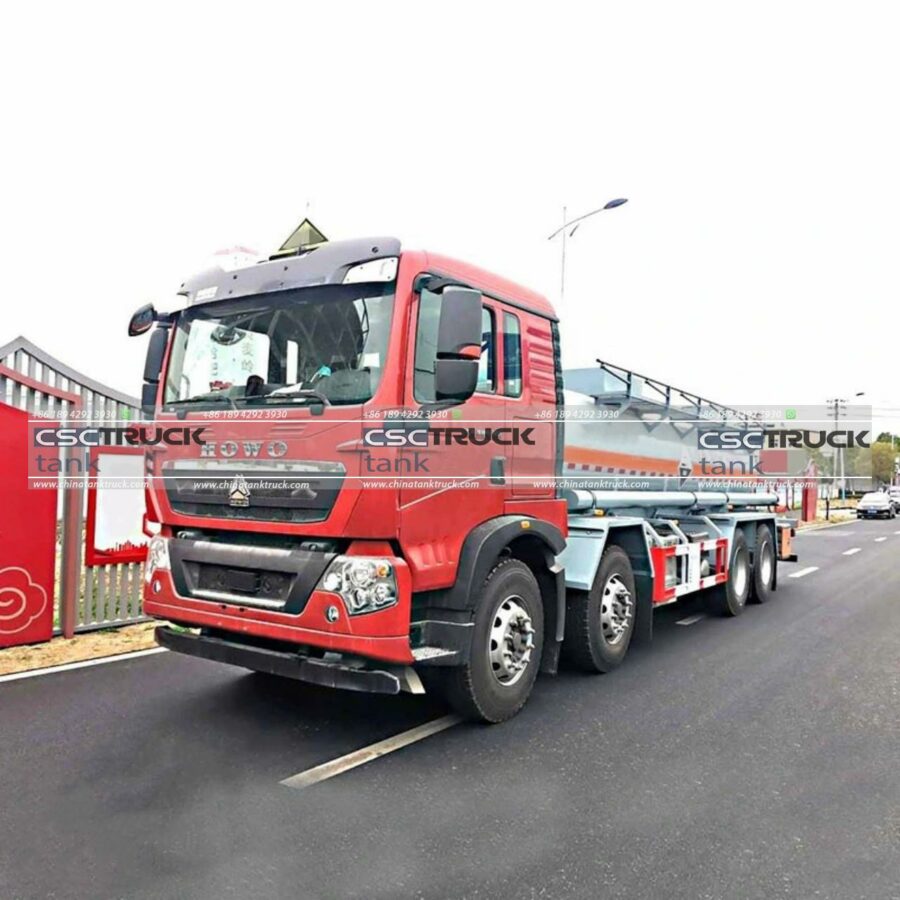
pixel 114 530
pixel 27 539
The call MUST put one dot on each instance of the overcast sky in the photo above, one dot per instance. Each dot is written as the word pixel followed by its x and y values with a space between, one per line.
pixel 758 144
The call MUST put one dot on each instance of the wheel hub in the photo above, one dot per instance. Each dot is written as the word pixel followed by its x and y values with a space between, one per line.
pixel 511 641
pixel 766 566
pixel 616 610
pixel 740 577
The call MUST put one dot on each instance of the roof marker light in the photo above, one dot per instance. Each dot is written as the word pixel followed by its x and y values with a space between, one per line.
pixel 375 270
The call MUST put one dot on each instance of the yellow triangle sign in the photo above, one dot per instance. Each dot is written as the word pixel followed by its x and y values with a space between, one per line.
pixel 302 236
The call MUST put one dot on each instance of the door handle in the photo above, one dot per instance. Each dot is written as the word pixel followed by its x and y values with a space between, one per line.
pixel 498 466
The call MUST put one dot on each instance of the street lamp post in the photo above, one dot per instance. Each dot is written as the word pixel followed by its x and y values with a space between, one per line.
pixel 564 230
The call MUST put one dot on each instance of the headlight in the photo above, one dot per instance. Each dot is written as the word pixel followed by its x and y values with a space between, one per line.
pixel 157 557
pixel 365 583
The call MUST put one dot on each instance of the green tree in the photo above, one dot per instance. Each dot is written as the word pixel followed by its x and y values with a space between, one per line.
pixel 858 462
pixel 883 461
pixel 887 438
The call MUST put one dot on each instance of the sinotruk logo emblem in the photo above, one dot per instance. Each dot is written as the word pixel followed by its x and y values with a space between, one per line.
pixel 239 492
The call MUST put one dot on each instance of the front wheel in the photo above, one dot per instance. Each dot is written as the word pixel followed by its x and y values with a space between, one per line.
pixel 507 640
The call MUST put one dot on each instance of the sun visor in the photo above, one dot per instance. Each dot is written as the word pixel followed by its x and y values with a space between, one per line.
pixel 326 263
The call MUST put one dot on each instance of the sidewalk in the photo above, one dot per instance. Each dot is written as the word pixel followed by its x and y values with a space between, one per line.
pixel 839 517
pixel 94 644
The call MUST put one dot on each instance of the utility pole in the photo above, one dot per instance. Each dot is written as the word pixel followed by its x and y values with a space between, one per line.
pixel 838 407
pixel 834 408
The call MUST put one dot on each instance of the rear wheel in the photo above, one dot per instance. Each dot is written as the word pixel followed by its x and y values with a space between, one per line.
pixel 763 566
pixel 730 599
pixel 600 622
pixel 507 640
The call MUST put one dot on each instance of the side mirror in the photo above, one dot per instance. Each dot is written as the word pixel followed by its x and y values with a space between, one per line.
pixel 455 379
pixel 459 328
pixel 458 345
pixel 148 399
pixel 142 320
pixel 156 353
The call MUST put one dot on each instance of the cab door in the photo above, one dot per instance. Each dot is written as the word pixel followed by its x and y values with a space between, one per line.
pixel 461 478
pixel 529 386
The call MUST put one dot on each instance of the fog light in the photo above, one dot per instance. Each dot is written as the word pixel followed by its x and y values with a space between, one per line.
pixel 157 585
pixel 332 613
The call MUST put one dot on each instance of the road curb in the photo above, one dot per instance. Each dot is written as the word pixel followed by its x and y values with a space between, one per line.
pixel 81 664
pixel 826 525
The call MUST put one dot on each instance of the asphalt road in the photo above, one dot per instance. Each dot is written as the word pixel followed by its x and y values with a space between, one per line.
pixel 742 758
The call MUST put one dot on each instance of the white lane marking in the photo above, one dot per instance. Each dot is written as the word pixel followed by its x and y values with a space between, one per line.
pixel 879 540
pixel 83 664
pixel 897 532
pixel 691 620
pixel 807 571
pixel 367 754
pixel 852 550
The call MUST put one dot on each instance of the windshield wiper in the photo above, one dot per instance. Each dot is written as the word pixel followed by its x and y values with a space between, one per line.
pixel 299 393
pixel 209 398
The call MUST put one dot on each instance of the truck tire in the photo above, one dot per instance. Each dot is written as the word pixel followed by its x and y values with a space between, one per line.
pixel 730 599
pixel 763 566
pixel 600 622
pixel 507 640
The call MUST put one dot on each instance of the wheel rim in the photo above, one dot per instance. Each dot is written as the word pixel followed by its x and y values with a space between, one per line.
pixel 766 564
pixel 511 641
pixel 739 580
pixel 616 610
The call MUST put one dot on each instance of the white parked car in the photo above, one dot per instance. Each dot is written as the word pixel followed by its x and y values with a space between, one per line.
pixel 876 505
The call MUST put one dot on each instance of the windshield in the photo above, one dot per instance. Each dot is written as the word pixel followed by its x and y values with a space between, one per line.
pixel 322 344
pixel 873 498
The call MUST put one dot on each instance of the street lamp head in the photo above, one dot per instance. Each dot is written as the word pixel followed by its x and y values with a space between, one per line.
pixel 612 204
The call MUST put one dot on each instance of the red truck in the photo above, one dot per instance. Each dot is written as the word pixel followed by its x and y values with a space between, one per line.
pixel 374 497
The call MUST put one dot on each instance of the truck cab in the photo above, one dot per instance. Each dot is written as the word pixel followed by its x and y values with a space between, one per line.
pixel 376 448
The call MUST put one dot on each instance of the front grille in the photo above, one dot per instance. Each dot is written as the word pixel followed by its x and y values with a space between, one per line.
pixel 267 577
pixel 289 491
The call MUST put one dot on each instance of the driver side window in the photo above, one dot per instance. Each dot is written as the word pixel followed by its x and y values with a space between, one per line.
pixel 487 377
pixel 426 349
pixel 426 346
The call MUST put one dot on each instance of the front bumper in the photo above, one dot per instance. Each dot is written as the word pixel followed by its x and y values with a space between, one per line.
pixel 304 619
pixel 325 672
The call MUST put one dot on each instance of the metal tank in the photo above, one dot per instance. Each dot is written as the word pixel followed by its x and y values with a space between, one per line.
pixel 627 431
